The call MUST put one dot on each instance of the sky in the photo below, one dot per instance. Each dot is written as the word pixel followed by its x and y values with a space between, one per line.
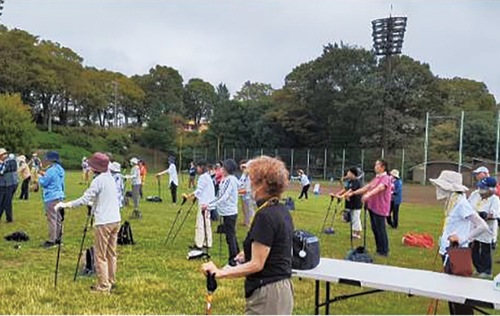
pixel 233 41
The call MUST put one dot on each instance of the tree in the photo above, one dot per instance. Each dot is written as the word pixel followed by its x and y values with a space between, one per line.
pixel 254 92
pixel 160 133
pixel 199 99
pixel 16 126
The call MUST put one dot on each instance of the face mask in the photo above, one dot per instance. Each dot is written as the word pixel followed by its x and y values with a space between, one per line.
pixel 442 194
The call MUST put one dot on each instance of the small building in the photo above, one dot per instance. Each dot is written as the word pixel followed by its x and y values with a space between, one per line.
pixel 434 168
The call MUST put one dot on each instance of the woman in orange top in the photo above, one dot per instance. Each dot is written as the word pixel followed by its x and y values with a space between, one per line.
pixel 143 172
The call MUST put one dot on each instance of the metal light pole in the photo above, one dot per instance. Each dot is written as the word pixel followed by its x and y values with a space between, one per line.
pixel 1 7
pixel 388 35
pixel 115 121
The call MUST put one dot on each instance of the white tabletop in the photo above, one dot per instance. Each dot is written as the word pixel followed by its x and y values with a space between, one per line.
pixel 410 281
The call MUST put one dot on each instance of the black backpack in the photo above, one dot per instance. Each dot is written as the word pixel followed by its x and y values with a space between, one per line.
pixel 125 236
pixel 17 236
pixel 89 266
pixel 306 253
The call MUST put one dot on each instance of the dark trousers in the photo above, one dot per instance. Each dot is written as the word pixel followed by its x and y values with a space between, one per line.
pixel 173 192
pixel 25 189
pixel 393 218
pixel 6 195
pixel 481 256
pixel 305 188
pixel 380 233
pixel 456 308
pixel 140 191
pixel 229 228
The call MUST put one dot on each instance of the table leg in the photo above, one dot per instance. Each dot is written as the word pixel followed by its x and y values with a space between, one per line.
pixel 316 298
pixel 327 307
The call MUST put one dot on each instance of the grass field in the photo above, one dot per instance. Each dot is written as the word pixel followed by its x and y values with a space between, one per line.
pixel 155 278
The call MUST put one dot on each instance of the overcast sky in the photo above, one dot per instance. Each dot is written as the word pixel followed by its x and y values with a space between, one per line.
pixel 233 41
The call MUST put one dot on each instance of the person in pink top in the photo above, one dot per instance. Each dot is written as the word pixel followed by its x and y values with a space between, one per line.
pixel 377 199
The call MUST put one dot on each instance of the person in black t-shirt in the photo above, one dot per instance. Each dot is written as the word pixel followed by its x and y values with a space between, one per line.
pixel 353 204
pixel 266 260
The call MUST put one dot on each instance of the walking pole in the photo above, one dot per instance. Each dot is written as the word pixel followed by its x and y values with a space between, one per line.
pixel 183 220
pixel 159 188
pixel 89 215
pixel 211 287
pixel 175 220
pixel 204 214
pixel 326 217
pixel 58 241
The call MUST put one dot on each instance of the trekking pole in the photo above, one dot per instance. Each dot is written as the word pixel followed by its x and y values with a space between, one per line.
pixel 326 217
pixel 220 239
pixel 58 241
pixel 159 188
pixel 211 287
pixel 89 215
pixel 175 220
pixel 183 220
pixel 204 214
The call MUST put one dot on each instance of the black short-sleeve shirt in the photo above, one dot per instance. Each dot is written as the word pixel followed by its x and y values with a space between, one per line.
pixel 354 202
pixel 272 226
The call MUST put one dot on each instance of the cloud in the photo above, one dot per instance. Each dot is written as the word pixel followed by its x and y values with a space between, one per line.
pixel 233 41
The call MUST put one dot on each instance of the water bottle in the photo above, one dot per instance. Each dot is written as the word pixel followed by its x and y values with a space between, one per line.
pixel 496 282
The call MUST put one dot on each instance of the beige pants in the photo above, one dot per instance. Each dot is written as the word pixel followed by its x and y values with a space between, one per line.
pixel 271 299
pixel 199 236
pixel 105 254
pixel 53 220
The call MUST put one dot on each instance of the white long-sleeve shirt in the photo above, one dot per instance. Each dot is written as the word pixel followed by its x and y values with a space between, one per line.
pixel 172 174
pixel 102 192
pixel 205 190
pixel 304 180
pixel 490 206
pixel 227 201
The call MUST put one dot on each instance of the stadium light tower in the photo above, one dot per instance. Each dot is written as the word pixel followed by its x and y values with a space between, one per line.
pixel 1 7
pixel 388 35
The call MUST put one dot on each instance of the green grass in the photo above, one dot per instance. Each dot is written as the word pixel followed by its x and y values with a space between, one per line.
pixel 155 278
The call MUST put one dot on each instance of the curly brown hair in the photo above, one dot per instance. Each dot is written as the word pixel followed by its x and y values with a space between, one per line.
pixel 268 176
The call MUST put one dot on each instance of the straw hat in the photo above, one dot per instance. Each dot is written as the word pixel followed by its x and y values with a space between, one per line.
pixel 450 181
pixel 22 158
pixel 99 162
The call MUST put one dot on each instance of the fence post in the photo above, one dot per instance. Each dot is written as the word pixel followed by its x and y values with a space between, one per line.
pixel 426 145
pixel 383 153
pixel 275 152
pixel 402 165
pixel 247 154
pixel 206 153
pixel 261 152
pixel 363 160
pixel 460 148
pixel 291 161
pixel 343 162
pixel 325 165
pixel 234 155
pixel 308 173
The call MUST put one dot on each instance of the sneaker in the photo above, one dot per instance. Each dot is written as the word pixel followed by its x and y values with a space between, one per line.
pixel 97 289
pixel 49 244
pixel 484 275
pixel 356 236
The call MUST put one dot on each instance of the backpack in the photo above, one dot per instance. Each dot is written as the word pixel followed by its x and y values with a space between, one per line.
pixel 359 255
pixel 305 250
pixel 89 265
pixel 17 236
pixel 125 236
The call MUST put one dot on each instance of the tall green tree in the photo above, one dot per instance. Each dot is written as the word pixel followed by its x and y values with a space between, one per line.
pixel 16 126
pixel 199 100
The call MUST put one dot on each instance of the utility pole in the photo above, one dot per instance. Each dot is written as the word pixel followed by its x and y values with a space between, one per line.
pixel 115 121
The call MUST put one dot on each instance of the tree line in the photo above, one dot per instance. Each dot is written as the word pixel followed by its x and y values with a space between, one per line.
pixel 344 97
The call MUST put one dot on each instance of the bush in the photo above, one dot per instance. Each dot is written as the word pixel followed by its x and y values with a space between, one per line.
pixel 16 126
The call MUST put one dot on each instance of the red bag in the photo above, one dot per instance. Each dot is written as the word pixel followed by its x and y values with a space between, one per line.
pixel 418 240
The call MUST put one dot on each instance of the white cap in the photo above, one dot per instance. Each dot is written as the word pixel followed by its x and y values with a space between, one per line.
pixel 481 169
pixel 134 161
pixel 114 167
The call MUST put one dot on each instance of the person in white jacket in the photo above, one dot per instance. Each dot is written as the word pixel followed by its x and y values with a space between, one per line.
pixel 461 226
pixel 204 193
pixel 102 194
pixel 173 179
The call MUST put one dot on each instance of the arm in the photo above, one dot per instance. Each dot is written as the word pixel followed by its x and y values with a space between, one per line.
pixel 47 178
pixel 360 191
pixel 224 196
pixel 88 196
pixel 260 252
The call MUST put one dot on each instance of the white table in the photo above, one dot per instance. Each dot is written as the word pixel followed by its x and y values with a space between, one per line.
pixel 469 291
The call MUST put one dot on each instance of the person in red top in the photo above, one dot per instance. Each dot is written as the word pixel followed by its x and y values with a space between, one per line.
pixel 218 176
pixel 377 199
pixel 143 171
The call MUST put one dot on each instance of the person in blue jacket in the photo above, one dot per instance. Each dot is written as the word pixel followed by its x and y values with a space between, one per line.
pixel 52 183
pixel 396 199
